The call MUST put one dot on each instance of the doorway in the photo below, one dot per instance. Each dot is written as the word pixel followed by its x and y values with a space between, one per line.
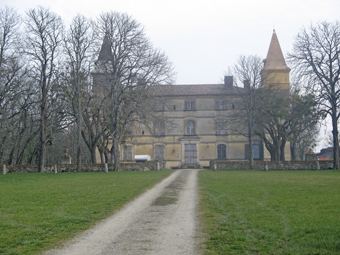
pixel 190 153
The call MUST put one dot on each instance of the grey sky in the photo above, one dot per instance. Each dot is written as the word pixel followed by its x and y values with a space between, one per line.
pixel 204 37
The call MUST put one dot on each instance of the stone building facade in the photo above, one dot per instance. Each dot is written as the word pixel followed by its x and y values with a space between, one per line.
pixel 193 128
pixel 194 121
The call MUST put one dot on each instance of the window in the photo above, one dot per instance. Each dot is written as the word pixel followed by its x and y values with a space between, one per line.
pixel 256 151
pixel 190 105
pixel 159 106
pixel 190 154
pixel 221 127
pixel 220 105
pixel 190 127
pixel 127 153
pixel 159 128
pixel 221 151
pixel 159 152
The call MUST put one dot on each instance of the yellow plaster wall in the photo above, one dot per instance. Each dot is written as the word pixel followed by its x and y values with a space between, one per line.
pixel 278 78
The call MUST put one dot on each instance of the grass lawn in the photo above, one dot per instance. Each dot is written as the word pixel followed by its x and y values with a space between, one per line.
pixel 38 211
pixel 274 212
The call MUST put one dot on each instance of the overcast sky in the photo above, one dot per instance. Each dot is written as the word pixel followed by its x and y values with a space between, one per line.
pixel 202 38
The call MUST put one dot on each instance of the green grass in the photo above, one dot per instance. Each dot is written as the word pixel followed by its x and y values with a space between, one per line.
pixel 275 212
pixel 38 211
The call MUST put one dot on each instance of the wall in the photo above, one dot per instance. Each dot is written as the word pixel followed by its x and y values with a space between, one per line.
pixel 206 139
pixel 272 165
pixel 84 168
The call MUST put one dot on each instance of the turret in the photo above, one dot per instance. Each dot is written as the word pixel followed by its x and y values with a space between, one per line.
pixel 275 71
pixel 102 66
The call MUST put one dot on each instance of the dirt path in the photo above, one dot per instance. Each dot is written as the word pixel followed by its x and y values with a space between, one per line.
pixel 161 221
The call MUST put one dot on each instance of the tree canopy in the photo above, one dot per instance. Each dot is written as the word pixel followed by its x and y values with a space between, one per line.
pixel 316 60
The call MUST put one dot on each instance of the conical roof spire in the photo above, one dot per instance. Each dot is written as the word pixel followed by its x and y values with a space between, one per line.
pixel 275 59
pixel 105 53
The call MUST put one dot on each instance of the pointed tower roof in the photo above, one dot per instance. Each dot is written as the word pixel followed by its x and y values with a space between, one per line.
pixel 105 53
pixel 275 59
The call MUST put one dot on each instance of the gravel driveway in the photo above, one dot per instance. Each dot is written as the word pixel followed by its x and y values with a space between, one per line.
pixel 163 221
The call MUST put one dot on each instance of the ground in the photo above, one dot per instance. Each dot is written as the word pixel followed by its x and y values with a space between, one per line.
pixel 161 221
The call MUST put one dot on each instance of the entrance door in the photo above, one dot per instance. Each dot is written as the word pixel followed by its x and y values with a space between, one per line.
pixel 190 154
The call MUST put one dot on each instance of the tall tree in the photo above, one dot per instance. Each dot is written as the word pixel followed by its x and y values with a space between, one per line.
pixel 303 123
pixel 128 64
pixel 272 120
pixel 316 58
pixel 94 117
pixel 247 71
pixel 12 85
pixel 43 37
pixel 77 47
pixel 263 110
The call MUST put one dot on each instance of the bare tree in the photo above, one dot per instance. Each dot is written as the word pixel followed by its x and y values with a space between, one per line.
pixel 316 59
pixel 13 86
pixel 264 111
pixel 272 120
pixel 303 120
pixel 247 71
pixel 128 64
pixel 43 37
pixel 77 47
pixel 9 25
pixel 94 118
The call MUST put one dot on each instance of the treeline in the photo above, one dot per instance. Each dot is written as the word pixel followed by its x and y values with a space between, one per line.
pixel 46 98
pixel 49 73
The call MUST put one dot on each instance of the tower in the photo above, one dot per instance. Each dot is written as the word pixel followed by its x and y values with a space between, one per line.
pixel 275 72
pixel 101 72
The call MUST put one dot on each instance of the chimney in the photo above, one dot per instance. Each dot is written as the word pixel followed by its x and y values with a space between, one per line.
pixel 228 82
pixel 246 84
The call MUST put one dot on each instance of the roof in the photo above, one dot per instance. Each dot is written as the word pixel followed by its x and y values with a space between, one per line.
pixel 275 59
pixel 105 53
pixel 190 90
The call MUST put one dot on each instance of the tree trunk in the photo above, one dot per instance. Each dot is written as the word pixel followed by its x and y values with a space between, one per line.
pixel 79 126
pixel 106 157
pixel 43 130
pixel 335 141
pixel 251 158
pixel 112 156
pixel 93 155
pixel 78 159
pixel 277 145
pixel 102 156
pixel 282 149
pixel 116 165
pixel 271 148
pixel 293 151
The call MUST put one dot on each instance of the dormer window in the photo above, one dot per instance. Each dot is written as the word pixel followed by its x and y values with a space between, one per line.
pixel 159 106
pixel 221 104
pixel 190 105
